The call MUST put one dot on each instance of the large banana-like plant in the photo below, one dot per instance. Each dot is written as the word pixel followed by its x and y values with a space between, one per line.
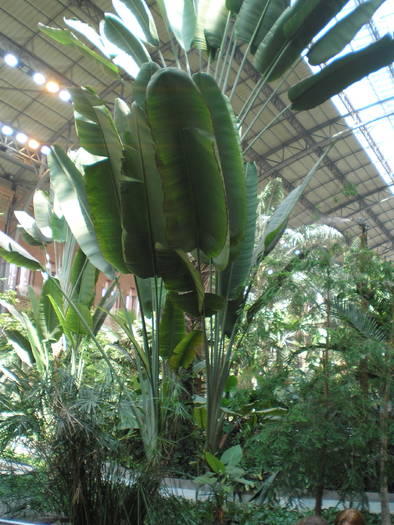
pixel 163 190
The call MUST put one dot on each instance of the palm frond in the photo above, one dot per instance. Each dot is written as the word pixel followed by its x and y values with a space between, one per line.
pixel 359 320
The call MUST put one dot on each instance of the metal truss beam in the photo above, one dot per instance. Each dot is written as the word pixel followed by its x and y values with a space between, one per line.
pixel 306 150
pixel 21 152
pixel 11 157
pixel 333 122
pixel 316 148
pixel 89 8
pixel 365 132
pixel 382 243
pixel 364 196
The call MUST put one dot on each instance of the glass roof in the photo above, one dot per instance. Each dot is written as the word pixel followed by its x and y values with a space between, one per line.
pixel 372 98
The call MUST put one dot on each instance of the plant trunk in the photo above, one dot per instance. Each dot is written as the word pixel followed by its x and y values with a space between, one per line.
pixel 384 416
pixel 319 499
pixel 363 377
pixel 384 456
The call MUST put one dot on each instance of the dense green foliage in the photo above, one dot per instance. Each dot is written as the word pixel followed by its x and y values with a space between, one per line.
pixel 262 358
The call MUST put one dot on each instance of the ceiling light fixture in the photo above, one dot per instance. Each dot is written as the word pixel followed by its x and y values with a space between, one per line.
pixel 33 144
pixel 21 138
pixel 45 150
pixel 7 130
pixel 65 95
pixel 11 60
pixel 52 86
pixel 39 79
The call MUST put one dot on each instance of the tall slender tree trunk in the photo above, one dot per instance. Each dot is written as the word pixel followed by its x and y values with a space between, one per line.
pixel 384 416
pixel 325 361
pixel 319 499
pixel 384 456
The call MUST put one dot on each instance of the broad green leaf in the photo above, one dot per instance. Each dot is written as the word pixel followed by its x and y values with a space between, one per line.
pixel 137 237
pixel 211 212
pixel 36 311
pixel 181 18
pixel 235 276
pixel 67 38
pixel 291 33
pixel 256 18
pixel 21 346
pixel 104 208
pixel 341 73
pixel 146 289
pixel 83 278
pixel 141 82
pixel 172 327
pixel 43 212
pixel 122 120
pixel 87 32
pixel 149 175
pixel 188 302
pixel 119 57
pixel 215 464
pixel 69 188
pixel 252 14
pixel 230 155
pixel 234 5
pixel 138 18
pixel 59 228
pixel 233 314
pixel 50 322
pixel 179 274
pixel 79 263
pixel 104 307
pixel 30 226
pixel 186 350
pixel 193 187
pixel 28 239
pixel 339 36
pixel 13 253
pixel 87 285
pixel 96 130
pixel 278 221
pixel 232 456
pixel 210 24
pixel 38 349
pixel 120 36
pixel 78 320
pixel 275 9
pixel 141 200
pixel 220 261
pixel 61 316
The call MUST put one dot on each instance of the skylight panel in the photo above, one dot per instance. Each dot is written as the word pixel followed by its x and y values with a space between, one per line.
pixel 377 138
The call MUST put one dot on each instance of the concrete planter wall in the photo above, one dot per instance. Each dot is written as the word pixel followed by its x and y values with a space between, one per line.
pixel 190 490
